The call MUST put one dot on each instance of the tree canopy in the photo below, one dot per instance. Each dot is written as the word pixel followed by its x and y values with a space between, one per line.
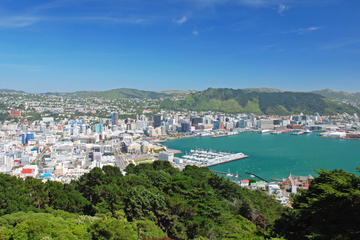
pixel 157 201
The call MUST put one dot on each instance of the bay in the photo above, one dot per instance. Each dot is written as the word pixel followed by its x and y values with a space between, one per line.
pixel 275 156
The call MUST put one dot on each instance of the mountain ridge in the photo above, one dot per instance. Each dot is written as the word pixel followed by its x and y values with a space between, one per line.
pixel 270 103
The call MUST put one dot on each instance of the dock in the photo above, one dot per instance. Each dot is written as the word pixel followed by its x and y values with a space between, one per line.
pixel 175 151
pixel 226 161
pixel 253 174
pixel 209 158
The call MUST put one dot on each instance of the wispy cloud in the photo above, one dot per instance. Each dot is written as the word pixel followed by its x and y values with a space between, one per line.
pixel 195 32
pixel 341 44
pixel 282 8
pixel 57 4
pixel 250 3
pixel 115 20
pixel 255 3
pixel 301 31
pixel 18 21
pixel 26 21
pixel 182 20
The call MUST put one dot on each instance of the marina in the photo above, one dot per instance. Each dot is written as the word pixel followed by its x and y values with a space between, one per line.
pixel 274 156
pixel 205 158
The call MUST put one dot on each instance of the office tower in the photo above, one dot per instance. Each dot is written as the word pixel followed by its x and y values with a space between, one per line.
pixel 114 118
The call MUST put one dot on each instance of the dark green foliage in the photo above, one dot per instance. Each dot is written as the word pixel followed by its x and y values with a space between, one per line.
pixel 156 201
pixel 4 116
pixel 278 103
pixel 31 194
pixel 13 195
pixel 113 229
pixel 152 201
pixel 65 197
pixel 185 204
pixel 330 209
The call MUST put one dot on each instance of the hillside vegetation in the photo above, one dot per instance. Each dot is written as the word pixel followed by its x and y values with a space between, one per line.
pixel 259 102
pixel 157 201
pixel 127 93
pixel 340 95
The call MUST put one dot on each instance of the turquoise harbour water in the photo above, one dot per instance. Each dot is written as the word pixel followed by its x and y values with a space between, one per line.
pixel 275 156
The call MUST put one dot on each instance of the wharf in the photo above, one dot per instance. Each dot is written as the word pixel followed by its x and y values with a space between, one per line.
pixel 175 151
pixel 220 135
pixel 209 158
pixel 226 161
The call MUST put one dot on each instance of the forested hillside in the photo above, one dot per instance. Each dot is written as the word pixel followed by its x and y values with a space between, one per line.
pixel 340 95
pixel 157 201
pixel 179 205
pixel 127 93
pixel 258 102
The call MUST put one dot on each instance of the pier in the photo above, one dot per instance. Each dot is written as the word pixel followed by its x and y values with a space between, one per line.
pixel 253 174
pixel 226 161
pixel 218 172
pixel 209 158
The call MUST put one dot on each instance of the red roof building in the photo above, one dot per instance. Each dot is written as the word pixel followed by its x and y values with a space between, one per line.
pixel 15 113
pixel 27 171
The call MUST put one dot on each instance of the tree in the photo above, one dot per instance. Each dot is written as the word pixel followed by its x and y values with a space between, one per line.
pixel 113 229
pixel 28 226
pixel 328 210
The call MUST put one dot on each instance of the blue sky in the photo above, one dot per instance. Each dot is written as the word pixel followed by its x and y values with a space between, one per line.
pixel 69 45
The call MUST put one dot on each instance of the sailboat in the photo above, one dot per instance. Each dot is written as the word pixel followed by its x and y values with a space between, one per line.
pixel 229 174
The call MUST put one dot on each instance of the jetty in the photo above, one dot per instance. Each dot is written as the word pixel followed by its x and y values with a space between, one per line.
pixel 209 158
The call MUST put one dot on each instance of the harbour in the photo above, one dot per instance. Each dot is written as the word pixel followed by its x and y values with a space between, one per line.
pixel 275 156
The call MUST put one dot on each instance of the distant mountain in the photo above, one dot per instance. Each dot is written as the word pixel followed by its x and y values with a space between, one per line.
pixel 11 91
pixel 179 92
pixel 340 95
pixel 129 93
pixel 266 90
pixel 250 101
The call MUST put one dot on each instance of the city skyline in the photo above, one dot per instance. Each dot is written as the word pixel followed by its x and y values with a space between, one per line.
pixel 67 46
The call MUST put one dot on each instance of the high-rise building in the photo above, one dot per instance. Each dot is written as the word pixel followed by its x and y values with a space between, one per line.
pixel 157 120
pixel 266 124
pixel 114 118
pixel 195 121
pixel 186 126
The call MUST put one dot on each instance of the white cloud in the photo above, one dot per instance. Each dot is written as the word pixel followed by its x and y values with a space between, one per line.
pixel 181 20
pixel 115 20
pixel 301 31
pixel 255 3
pixel 17 21
pixel 195 32
pixel 306 30
pixel 282 8
pixel 25 21
pixel 341 44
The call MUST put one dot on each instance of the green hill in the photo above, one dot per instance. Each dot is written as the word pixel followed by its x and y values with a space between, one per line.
pixel 128 93
pixel 153 201
pixel 340 95
pixel 259 102
pixel 158 202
